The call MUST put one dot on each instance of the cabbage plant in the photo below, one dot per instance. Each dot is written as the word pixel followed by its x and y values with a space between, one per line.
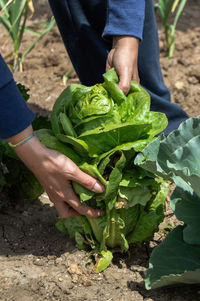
pixel 102 130
pixel 176 157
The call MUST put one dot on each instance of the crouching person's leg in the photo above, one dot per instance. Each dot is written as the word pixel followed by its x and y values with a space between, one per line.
pixel 81 24
pixel 150 72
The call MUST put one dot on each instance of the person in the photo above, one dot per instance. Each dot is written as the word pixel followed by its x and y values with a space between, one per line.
pixel 54 170
pixel 98 35
pixel 121 34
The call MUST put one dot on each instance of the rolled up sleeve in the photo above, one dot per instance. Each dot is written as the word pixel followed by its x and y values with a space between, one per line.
pixel 15 115
pixel 125 17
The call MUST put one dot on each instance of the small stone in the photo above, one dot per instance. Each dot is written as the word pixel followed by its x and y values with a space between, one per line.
pixel 25 213
pixel 179 85
pixel 43 274
pixel 192 80
pixel 195 71
pixel 58 260
pixel 60 279
pixel 39 262
pixel 56 293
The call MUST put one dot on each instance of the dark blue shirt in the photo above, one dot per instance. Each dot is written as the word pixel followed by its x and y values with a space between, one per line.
pixel 124 17
pixel 15 115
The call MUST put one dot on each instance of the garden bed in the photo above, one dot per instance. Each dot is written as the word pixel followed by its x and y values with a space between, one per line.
pixel 36 261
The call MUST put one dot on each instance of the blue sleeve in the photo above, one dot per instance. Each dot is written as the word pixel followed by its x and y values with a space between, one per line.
pixel 125 17
pixel 15 115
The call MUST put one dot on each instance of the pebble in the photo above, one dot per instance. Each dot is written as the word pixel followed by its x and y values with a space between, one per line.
pixel 56 293
pixel 58 260
pixel 39 262
pixel 179 85
pixel 192 80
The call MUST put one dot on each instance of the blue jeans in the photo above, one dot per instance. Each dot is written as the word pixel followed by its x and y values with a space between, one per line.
pixel 81 24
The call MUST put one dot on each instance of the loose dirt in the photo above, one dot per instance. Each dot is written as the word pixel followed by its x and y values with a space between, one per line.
pixel 37 262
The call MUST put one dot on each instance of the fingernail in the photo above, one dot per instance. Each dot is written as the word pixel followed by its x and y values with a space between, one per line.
pixel 98 188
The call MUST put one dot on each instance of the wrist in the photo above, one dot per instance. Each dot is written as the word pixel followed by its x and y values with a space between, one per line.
pixel 32 153
pixel 28 148
pixel 18 139
pixel 125 41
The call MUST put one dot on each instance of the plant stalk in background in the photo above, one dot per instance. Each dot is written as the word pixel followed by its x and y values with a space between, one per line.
pixel 168 8
pixel 13 16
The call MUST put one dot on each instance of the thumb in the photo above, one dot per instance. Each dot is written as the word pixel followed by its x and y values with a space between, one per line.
pixel 125 80
pixel 87 181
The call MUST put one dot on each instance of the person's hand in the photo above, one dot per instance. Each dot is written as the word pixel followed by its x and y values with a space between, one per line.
pixel 55 173
pixel 124 58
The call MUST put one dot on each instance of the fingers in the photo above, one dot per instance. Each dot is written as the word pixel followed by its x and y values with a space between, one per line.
pixel 109 60
pixel 123 57
pixel 135 76
pixel 64 211
pixel 125 80
pixel 73 200
pixel 86 180
pixel 68 203
pixel 108 66
pixel 76 209
pixel 55 177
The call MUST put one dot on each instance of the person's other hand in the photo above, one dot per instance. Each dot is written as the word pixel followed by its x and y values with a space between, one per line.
pixel 124 58
pixel 55 173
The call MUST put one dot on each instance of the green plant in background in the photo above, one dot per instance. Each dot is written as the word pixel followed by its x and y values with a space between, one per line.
pixel 102 130
pixel 13 16
pixel 177 258
pixel 170 9
pixel 67 75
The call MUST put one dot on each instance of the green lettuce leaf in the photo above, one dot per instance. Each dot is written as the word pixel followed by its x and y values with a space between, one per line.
pixel 104 261
pixel 89 101
pixel 135 195
pixel 111 85
pixel 104 139
pixel 49 140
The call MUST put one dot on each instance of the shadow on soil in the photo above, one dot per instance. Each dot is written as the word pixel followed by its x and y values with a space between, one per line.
pixel 32 230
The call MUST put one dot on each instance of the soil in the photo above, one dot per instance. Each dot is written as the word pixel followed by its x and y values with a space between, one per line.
pixel 37 262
